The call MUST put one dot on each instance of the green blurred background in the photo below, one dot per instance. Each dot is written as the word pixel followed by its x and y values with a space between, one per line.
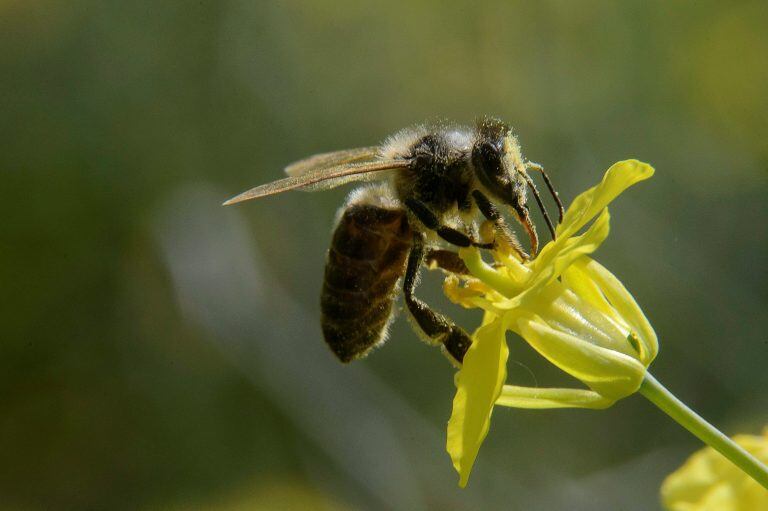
pixel 159 351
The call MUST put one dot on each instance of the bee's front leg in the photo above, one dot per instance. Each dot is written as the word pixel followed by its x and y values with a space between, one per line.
pixel 491 212
pixel 453 236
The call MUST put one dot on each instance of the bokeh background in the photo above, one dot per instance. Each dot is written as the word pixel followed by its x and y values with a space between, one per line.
pixel 158 351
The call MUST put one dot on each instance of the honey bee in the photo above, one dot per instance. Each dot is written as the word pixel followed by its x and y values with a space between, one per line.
pixel 437 183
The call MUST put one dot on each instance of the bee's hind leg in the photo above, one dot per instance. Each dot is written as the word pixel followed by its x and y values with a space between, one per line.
pixel 437 328
pixel 445 260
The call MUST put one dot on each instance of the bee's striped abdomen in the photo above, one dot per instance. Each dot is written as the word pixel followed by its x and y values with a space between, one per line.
pixel 367 257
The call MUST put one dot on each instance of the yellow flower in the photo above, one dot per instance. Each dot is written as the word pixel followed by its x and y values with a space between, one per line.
pixel 709 482
pixel 568 307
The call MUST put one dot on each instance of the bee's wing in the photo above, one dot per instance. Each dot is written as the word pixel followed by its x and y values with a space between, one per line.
pixel 332 159
pixel 320 179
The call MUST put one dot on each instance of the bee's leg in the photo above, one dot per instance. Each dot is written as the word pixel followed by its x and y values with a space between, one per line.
pixel 555 195
pixel 436 328
pixel 449 234
pixel 491 212
pixel 541 205
pixel 445 260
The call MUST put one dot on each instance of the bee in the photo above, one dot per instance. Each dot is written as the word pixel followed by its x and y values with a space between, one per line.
pixel 436 183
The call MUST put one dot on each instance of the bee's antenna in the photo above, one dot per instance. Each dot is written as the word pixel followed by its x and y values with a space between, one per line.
pixel 555 195
pixel 541 205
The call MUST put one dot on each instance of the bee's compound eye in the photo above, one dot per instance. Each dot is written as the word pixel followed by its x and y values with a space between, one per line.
pixel 488 160
pixel 487 157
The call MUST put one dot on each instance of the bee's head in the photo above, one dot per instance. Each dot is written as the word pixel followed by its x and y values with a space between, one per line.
pixel 498 163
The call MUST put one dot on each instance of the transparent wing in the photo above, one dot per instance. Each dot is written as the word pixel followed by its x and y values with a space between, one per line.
pixel 320 179
pixel 332 159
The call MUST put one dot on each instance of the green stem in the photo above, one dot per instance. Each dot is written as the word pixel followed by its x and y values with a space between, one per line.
pixel 657 394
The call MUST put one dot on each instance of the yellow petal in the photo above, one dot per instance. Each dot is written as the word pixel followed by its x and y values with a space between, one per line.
pixel 568 312
pixel 577 280
pixel 478 385
pixel 492 277
pixel 558 255
pixel 626 306
pixel 461 295
pixel 553 260
pixel 539 399
pixel 608 372
pixel 587 205
pixel 709 482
